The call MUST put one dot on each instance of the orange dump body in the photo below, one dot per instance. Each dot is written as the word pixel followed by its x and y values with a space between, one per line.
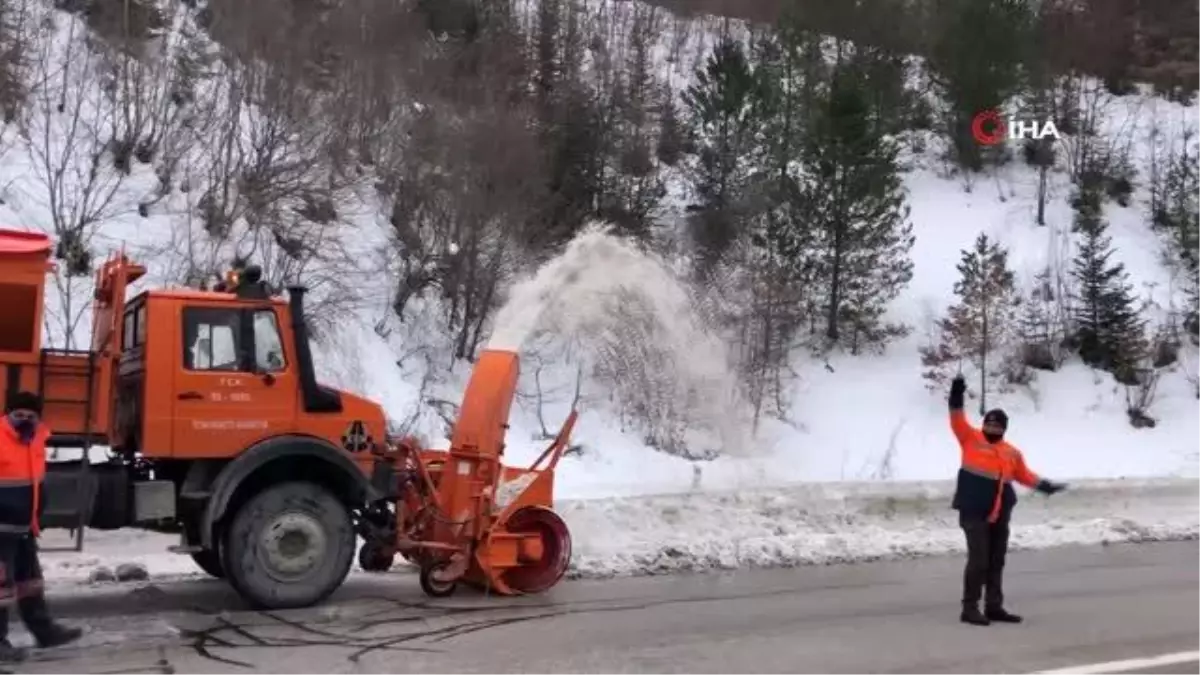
pixel 75 383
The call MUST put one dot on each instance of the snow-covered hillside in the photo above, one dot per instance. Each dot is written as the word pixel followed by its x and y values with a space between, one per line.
pixel 867 417
pixel 871 417
pixel 853 418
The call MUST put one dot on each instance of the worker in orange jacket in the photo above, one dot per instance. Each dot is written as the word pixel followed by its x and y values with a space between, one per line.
pixel 22 472
pixel 984 498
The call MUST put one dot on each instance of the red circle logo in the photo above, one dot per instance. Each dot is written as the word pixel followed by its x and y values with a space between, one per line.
pixel 988 128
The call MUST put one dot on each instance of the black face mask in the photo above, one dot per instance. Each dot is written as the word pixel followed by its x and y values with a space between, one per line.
pixel 24 426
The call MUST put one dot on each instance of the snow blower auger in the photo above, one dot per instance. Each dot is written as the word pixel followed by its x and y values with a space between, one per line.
pixel 460 514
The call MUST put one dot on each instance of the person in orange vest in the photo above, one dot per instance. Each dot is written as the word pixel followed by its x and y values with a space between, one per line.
pixel 984 498
pixel 22 472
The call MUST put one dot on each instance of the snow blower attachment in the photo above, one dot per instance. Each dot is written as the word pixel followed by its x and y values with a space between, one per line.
pixel 460 514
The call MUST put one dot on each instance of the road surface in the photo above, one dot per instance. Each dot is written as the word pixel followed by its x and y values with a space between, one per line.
pixel 1082 606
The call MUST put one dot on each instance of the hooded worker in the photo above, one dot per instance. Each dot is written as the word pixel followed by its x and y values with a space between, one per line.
pixel 984 498
pixel 22 471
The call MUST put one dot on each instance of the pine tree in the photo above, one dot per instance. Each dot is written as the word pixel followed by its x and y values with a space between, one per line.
pixel 979 327
pixel 634 185
pixel 1109 330
pixel 1179 219
pixel 855 203
pixel 724 105
pixel 671 141
pixel 776 265
pixel 569 124
pixel 1041 325
pixel 790 69
pixel 975 58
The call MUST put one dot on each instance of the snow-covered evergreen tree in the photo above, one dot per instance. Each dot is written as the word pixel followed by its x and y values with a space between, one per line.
pixel 1109 329
pixel 978 330
pixel 855 202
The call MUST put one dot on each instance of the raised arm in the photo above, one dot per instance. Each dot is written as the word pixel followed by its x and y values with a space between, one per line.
pixel 958 417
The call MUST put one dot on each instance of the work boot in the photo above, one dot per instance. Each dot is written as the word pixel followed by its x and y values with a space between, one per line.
pixel 11 654
pixel 973 616
pixel 998 614
pixel 57 635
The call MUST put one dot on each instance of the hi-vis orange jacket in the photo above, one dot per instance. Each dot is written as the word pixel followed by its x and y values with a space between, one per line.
pixel 988 469
pixel 22 472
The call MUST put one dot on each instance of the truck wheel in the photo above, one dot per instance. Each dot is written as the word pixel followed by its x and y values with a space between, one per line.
pixel 289 546
pixel 372 557
pixel 434 588
pixel 209 560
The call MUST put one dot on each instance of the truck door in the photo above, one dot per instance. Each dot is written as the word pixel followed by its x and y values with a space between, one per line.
pixel 234 386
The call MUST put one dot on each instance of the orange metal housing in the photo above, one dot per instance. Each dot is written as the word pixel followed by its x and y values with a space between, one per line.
pixel 497 528
pixel 216 414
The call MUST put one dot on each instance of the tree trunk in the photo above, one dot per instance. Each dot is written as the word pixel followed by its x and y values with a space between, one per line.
pixel 983 349
pixel 1041 194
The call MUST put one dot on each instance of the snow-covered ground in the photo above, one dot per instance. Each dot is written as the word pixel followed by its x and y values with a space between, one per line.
pixel 809 524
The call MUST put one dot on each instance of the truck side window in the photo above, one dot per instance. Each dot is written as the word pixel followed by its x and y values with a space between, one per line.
pixel 268 346
pixel 210 338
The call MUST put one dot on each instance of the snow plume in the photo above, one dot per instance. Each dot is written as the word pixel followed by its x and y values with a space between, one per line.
pixel 633 320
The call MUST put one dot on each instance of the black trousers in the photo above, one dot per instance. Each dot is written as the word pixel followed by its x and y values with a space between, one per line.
pixel 987 547
pixel 22 576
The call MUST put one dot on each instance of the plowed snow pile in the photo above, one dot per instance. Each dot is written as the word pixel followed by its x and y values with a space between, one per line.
pixel 830 523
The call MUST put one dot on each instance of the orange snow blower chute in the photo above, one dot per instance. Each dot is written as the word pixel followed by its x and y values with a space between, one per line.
pixel 460 514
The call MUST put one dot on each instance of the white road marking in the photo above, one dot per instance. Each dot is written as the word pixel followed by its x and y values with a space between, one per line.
pixel 1129 664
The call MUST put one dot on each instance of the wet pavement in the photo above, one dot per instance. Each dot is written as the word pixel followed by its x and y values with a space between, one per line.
pixel 1082 605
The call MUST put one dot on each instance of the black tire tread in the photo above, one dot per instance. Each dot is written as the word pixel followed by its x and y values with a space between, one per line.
pixel 240 560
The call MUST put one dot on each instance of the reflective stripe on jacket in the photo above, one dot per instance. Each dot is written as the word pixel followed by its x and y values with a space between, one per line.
pixel 988 469
pixel 22 473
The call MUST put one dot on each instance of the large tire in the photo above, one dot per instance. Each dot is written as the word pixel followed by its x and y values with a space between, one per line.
pixel 289 546
pixel 209 560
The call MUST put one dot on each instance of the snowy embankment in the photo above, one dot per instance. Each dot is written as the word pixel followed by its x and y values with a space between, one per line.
pixel 847 522
pixel 803 524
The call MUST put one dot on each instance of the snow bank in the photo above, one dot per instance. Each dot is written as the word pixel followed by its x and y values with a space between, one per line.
pixel 802 524
pixel 844 522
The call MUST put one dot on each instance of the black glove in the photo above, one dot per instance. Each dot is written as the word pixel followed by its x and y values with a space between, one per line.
pixel 957 388
pixel 1049 487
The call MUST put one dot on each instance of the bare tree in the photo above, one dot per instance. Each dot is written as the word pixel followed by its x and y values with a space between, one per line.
pixel 761 305
pixel 548 352
pixel 14 60
pixel 464 183
pixel 140 74
pixel 64 132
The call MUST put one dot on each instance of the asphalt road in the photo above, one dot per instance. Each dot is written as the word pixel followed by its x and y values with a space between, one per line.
pixel 1082 606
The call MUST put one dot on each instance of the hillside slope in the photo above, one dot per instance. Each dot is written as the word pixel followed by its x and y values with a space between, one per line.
pixel 867 417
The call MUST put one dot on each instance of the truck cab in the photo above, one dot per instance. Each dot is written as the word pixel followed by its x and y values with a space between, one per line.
pixel 205 375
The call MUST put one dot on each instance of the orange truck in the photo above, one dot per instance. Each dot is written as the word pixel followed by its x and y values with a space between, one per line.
pixel 216 428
